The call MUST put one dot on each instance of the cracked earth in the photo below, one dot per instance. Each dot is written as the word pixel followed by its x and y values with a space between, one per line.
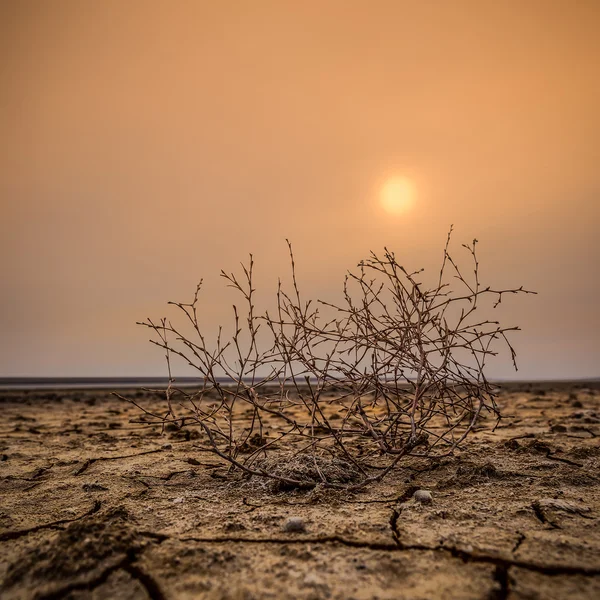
pixel 95 505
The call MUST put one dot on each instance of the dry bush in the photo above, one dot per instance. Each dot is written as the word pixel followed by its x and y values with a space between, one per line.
pixel 338 394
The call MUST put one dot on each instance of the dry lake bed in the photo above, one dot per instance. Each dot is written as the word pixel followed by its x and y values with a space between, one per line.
pixel 95 505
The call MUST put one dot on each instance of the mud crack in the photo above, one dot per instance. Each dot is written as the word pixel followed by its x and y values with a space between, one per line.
pixel 551 456
pixel 464 555
pixel 84 556
pixel 500 575
pixel 148 582
pixel 325 539
pixel 519 541
pixel 89 585
pixel 15 534
pixel 127 564
pixel 481 557
pixel 541 517
pixel 90 461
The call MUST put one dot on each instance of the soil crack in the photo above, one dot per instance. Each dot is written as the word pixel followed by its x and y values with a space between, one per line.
pixel 127 564
pixel 499 561
pixel 146 580
pixel 519 541
pixel 501 577
pixel 464 555
pixel 90 461
pixel 551 456
pixel 88 585
pixel 15 534
pixel 325 539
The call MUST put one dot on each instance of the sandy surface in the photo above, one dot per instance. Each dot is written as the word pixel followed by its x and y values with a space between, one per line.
pixel 94 506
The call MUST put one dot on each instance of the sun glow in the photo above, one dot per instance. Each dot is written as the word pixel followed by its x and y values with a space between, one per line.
pixel 397 195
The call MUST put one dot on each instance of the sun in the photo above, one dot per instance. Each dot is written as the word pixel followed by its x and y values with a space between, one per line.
pixel 397 195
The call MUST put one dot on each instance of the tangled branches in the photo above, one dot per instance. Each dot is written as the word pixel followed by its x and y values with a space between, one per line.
pixel 337 394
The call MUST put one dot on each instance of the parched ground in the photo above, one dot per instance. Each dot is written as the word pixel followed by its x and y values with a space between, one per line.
pixel 94 506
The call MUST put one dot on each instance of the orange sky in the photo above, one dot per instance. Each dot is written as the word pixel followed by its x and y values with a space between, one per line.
pixel 145 144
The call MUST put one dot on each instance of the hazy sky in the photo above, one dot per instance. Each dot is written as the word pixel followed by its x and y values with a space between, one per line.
pixel 144 145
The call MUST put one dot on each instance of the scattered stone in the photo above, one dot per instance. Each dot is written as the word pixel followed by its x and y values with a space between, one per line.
pixel 193 461
pixel 294 525
pixel 423 497
pixel 167 446
pixel 178 500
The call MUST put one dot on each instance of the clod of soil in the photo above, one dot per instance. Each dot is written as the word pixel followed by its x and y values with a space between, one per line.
pixel 469 473
pixel 563 505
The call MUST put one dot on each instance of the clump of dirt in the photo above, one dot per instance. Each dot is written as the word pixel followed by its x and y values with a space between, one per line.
pixel 535 447
pixel 562 505
pixel 469 473
pixel 309 469
pixel 511 444
pixel 253 443
pixel 79 549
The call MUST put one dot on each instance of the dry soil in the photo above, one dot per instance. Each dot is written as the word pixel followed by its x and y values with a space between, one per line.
pixel 95 506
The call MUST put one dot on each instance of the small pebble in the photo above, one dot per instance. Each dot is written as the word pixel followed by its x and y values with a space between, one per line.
pixel 294 525
pixel 423 497
pixel 178 500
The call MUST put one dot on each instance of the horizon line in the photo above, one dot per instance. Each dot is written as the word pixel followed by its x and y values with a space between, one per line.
pixel 99 382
